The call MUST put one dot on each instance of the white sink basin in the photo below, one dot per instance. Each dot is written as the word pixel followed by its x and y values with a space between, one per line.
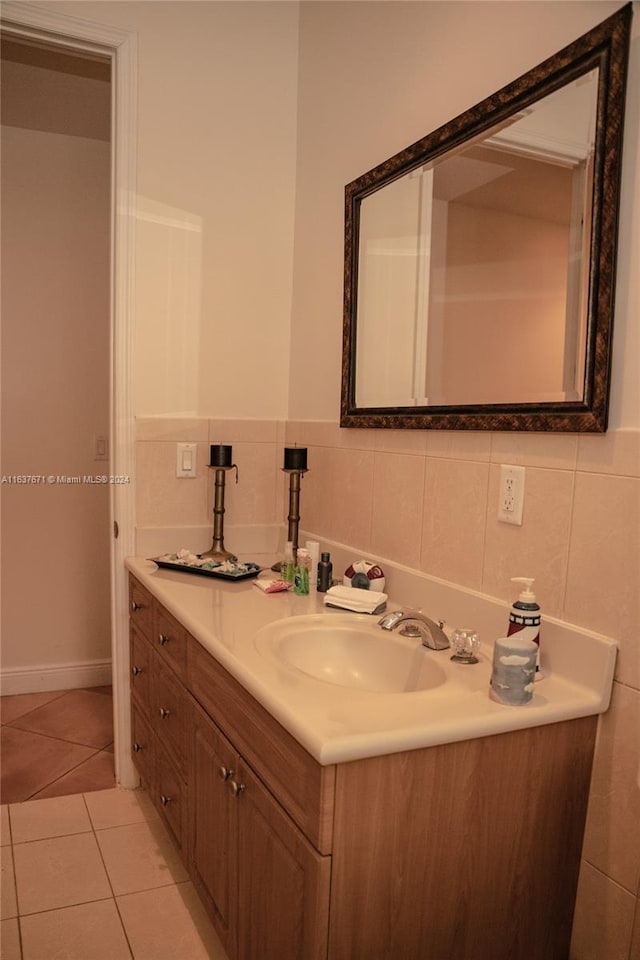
pixel 349 650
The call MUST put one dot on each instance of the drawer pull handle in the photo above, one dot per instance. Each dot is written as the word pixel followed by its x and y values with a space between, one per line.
pixel 164 713
pixel 225 772
pixel 164 799
pixel 136 671
pixel 138 747
pixel 135 606
pixel 163 638
pixel 237 788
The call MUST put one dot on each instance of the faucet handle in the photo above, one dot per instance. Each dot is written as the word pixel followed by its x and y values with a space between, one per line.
pixel 391 620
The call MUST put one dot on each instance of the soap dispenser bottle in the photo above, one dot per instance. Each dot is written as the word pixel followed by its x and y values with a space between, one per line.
pixel 524 618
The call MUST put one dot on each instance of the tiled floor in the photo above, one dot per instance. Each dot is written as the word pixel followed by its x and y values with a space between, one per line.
pixel 94 876
pixel 57 743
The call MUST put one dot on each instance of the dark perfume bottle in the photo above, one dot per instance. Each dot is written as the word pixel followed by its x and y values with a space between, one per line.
pixel 325 573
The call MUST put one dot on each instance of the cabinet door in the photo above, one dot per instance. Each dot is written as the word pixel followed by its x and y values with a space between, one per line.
pixel 214 825
pixel 283 882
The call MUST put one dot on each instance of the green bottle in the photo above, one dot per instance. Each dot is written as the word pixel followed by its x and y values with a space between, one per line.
pixel 288 567
pixel 301 576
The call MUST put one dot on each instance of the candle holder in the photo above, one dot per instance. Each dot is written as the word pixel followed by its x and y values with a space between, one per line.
pixel 295 464
pixel 220 462
pixel 293 518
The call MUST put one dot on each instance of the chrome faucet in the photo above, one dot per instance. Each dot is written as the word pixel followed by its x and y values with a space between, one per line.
pixel 417 625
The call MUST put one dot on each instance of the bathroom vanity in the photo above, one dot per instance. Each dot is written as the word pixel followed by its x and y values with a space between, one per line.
pixel 350 846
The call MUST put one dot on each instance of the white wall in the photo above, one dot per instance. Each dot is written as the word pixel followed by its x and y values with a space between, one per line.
pixel 55 375
pixel 374 78
pixel 228 323
pixel 217 87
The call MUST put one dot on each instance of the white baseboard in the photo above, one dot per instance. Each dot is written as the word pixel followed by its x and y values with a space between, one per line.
pixel 55 676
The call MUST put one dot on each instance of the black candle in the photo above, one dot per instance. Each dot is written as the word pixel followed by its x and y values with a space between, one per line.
pixel 221 455
pixel 295 458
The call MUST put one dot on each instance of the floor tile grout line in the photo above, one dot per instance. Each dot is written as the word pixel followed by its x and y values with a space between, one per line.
pixel 34 796
pixel 113 893
pixel 82 903
pixel 15 882
pixel 131 893
pixel 14 725
pixel 48 703
pixel 49 736
pixel 57 836
pixel 114 898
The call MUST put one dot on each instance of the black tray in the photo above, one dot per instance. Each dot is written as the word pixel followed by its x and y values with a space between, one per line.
pixel 242 574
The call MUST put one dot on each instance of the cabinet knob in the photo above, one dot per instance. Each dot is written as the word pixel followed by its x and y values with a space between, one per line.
pixel 136 671
pixel 138 747
pixel 164 799
pixel 163 638
pixel 164 713
pixel 136 606
pixel 225 772
pixel 237 788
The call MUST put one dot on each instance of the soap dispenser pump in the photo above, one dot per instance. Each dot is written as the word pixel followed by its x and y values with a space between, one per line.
pixel 524 617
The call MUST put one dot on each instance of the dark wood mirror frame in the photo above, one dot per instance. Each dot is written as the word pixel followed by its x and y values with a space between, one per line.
pixel 605 47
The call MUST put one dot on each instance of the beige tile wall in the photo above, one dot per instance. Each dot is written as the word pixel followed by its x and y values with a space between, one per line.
pixel 164 500
pixel 429 501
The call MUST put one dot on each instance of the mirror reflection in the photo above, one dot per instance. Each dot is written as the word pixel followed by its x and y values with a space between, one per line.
pixel 480 261
pixel 473 268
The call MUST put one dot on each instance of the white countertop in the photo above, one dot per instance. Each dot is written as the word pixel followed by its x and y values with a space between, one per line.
pixel 337 724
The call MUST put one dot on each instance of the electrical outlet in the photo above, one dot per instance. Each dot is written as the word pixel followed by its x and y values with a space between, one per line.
pixel 511 497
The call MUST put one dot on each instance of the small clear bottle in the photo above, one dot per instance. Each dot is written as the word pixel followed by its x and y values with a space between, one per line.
pixel 288 564
pixel 325 573
pixel 301 576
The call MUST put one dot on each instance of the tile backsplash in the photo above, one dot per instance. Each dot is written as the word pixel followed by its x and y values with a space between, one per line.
pixel 428 501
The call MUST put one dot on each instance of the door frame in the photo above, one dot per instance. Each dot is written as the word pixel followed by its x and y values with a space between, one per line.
pixel 26 20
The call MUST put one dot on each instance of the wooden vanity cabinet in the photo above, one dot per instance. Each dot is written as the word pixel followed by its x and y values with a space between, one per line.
pixel 266 887
pixel 158 708
pixel 463 851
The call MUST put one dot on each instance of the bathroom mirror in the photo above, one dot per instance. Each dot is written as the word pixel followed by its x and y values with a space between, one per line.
pixel 480 261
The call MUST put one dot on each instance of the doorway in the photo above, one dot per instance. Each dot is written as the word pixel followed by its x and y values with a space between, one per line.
pixel 56 184
pixel 96 42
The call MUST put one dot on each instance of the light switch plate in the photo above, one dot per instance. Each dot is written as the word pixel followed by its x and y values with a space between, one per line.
pixel 101 448
pixel 186 460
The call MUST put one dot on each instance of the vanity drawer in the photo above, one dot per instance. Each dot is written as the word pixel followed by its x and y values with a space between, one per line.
pixel 142 746
pixel 140 607
pixel 140 665
pixel 170 640
pixel 170 798
pixel 303 786
pixel 168 713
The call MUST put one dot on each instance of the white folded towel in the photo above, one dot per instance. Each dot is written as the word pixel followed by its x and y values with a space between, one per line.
pixel 353 598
